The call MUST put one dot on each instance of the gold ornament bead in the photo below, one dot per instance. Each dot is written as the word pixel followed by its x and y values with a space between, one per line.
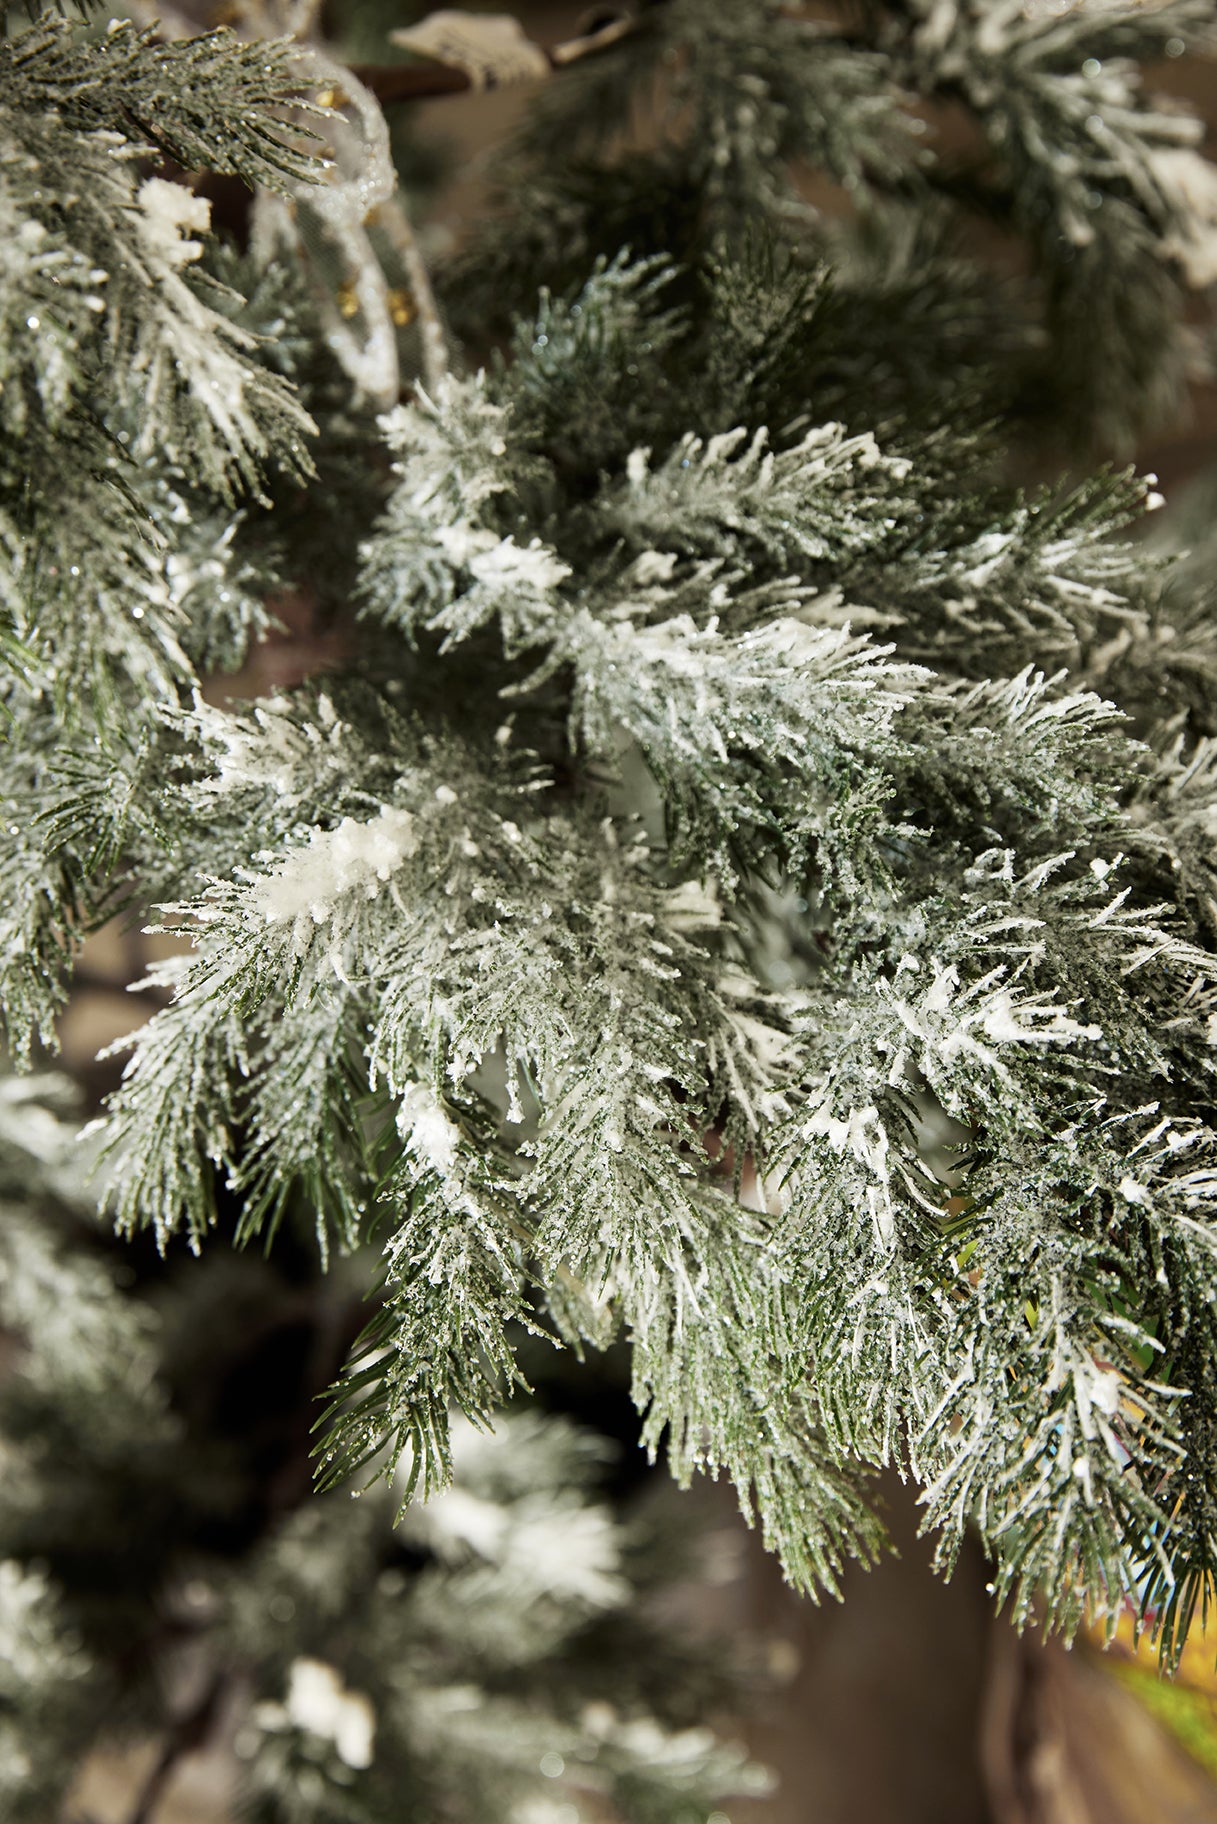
pixel 402 307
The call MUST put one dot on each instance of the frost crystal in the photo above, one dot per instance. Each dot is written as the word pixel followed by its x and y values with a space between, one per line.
pixel 422 1123
pixel 167 210
pixel 1189 181
pixel 500 561
pixel 353 858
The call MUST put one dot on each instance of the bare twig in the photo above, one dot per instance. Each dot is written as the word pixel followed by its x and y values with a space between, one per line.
pixel 189 1732
pixel 424 81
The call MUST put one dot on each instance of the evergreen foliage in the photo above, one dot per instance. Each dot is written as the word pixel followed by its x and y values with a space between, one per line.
pixel 676 626
pixel 491 1658
pixel 933 116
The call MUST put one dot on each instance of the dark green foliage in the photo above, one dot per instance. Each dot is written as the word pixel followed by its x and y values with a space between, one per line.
pixel 157 1536
pixel 208 102
pixel 708 119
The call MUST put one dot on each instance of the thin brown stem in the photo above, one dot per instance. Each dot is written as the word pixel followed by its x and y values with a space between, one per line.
pixel 425 81
pixel 189 1732
pixel 410 81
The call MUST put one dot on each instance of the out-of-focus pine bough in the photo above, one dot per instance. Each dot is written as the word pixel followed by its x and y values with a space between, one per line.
pixel 490 1658
pixel 928 126
pixel 727 773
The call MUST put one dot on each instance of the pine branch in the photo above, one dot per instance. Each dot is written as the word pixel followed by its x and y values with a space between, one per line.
pixel 211 102
pixel 617 839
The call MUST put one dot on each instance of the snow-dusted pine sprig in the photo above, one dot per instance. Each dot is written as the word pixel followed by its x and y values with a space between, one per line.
pixel 643 642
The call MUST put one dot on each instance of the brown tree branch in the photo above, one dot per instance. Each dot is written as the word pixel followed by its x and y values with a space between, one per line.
pixel 187 1733
pixel 391 82
pixel 425 80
